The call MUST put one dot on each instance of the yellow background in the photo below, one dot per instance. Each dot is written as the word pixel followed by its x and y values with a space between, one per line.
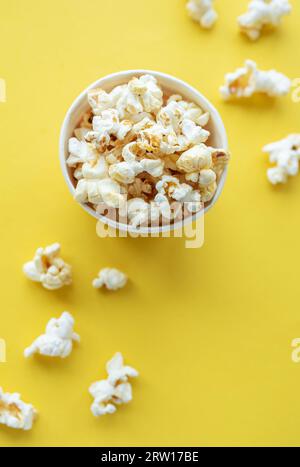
pixel 210 330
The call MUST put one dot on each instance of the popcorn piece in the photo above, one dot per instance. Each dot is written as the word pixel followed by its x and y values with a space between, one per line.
pixel 162 202
pixel 203 12
pixel 277 175
pixel 175 113
pixel 167 185
pixel 194 201
pixel 105 126
pixel 245 82
pixel 140 95
pixel 117 371
pixel 192 177
pixel 48 268
pixel 208 192
pixel 112 279
pixel 115 389
pixel 131 151
pixel 100 100
pixel 57 340
pixel 195 159
pixel 180 192
pixel 138 212
pixel 125 172
pixel 286 155
pixel 263 14
pixel 147 92
pixel 106 190
pixel 80 152
pixel 220 159
pixel 154 167
pixel 15 413
pixel 194 133
pixel 80 133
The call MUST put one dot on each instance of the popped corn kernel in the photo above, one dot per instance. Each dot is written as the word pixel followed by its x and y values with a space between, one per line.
pixel 249 80
pixel 203 12
pixel 114 390
pixel 57 340
pixel 48 268
pixel 286 155
pixel 277 175
pixel 15 413
pixel 195 159
pixel 125 172
pixel 207 177
pixel 96 191
pixel 182 192
pixel 154 167
pixel 138 212
pixel 263 14
pixel 106 126
pixel 111 278
pixel 207 192
pixel 194 133
pixel 148 92
pixel 80 152
pixel 220 159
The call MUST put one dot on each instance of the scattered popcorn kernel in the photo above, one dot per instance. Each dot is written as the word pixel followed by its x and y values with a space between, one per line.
pixel 245 82
pixel 286 155
pixel 112 279
pixel 117 371
pixel 114 390
pixel 263 14
pixel 15 413
pixel 277 175
pixel 203 12
pixel 48 268
pixel 57 340
pixel 137 145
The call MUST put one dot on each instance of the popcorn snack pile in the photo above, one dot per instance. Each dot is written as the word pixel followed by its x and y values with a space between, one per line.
pixel 111 278
pixel 15 413
pixel 57 340
pixel 286 155
pixel 48 268
pixel 263 14
pixel 245 82
pixel 115 389
pixel 139 146
pixel 203 12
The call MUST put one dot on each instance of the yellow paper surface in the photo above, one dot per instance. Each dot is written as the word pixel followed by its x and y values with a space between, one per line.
pixel 209 329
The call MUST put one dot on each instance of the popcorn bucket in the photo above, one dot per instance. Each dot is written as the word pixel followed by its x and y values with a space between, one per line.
pixel 170 85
